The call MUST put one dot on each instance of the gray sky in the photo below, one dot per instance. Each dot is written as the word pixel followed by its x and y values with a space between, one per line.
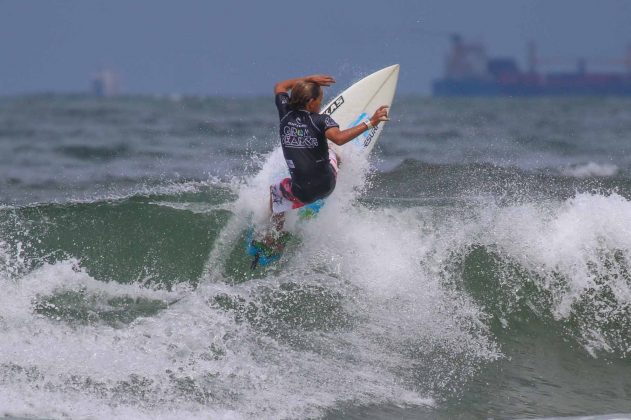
pixel 243 47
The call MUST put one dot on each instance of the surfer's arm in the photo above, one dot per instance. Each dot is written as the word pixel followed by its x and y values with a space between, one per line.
pixel 287 85
pixel 341 137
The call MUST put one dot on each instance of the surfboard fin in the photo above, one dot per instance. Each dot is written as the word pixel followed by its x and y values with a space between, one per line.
pixel 255 262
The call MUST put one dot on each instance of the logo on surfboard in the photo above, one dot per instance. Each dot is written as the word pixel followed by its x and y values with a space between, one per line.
pixel 334 106
pixel 364 139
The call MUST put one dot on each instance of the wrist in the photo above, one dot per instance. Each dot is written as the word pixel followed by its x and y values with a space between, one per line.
pixel 372 123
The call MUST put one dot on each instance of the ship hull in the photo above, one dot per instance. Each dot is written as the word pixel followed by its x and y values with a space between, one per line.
pixel 555 87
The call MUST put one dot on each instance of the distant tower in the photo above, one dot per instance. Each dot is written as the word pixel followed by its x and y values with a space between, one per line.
pixel 532 57
pixel 581 66
pixel 105 83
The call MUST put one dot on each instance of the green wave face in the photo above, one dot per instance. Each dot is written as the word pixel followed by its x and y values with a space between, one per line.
pixel 136 240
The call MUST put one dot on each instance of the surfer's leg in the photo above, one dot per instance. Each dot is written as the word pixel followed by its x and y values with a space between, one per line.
pixel 277 219
pixel 334 159
pixel 268 248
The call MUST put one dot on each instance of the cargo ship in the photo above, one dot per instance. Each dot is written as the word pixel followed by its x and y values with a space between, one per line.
pixel 469 72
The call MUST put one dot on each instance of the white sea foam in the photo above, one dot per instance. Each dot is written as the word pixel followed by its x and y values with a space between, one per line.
pixel 590 169
pixel 574 250
pixel 197 208
pixel 568 239
pixel 374 258
pixel 156 365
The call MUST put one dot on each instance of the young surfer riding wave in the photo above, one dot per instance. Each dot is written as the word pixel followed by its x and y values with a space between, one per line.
pixel 303 135
pixel 312 165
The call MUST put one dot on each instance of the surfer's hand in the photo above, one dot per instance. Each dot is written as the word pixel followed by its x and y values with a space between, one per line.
pixel 321 79
pixel 380 115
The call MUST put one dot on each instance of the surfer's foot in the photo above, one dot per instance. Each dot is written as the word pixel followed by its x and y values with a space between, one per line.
pixel 268 249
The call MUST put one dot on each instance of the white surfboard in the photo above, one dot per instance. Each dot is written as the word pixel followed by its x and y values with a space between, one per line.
pixel 359 102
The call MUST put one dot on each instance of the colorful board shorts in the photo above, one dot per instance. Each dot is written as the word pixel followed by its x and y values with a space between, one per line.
pixel 282 196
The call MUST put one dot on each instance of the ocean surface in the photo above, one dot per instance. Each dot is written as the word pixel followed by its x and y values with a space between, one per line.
pixel 479 267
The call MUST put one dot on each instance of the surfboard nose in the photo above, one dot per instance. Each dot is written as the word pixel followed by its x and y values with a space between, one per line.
pixel 387 73
pixel 392 72
pixel 394 68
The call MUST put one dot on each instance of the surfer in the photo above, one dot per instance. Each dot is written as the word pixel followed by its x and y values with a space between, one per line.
pixel 303 134
pixel 312 165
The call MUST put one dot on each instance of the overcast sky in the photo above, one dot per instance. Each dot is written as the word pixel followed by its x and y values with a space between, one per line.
pixel 243 47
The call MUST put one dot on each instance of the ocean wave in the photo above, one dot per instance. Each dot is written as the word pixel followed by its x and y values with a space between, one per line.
pixel 110 233
pixel 330 328
pixel 187 355
pixel 567 264
pixel 417 179
pixel 138 306
pixel 95 153
pixel 573 255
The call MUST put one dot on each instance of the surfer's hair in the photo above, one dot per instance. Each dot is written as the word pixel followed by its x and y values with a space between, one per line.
pixel 302 93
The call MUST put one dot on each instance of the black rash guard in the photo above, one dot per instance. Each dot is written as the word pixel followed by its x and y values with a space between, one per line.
pixel 306 150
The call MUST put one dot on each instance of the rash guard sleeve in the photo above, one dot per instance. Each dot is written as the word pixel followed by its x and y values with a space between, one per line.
pixel 282 104
pixel 324 122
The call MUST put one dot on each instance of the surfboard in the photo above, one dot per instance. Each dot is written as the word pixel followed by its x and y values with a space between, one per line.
pixel 351 107
pixel 359 102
